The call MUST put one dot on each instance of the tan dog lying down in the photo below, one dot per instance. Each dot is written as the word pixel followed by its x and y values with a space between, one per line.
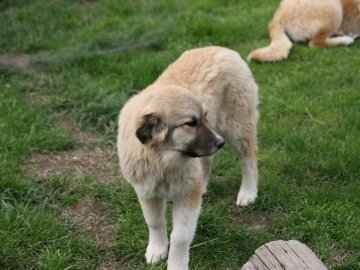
pixel 319 22
pixel 168 132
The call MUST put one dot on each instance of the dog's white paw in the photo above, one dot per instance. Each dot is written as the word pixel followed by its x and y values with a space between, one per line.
pixel 246 197
pixel 347 40
pixel 340 40
pixel 156 252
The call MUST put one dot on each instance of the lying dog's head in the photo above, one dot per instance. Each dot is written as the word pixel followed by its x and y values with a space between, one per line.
pixel 175 120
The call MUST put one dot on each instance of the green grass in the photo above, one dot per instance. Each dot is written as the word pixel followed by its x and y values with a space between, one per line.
pixel 88 57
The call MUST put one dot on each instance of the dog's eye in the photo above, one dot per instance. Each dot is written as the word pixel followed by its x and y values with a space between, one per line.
pixel 192 123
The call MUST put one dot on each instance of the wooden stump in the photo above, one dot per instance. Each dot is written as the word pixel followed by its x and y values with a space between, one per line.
pixel 284 255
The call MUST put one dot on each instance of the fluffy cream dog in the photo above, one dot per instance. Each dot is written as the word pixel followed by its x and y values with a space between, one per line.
pixel 319 22
pixel 167 133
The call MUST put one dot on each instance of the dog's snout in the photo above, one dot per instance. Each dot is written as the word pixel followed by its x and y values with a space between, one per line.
pixel 220 144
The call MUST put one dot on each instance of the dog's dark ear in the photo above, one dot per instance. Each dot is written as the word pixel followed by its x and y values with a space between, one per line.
pixel 151 129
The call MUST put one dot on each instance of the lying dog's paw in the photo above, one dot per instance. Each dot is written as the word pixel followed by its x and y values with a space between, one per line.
pixel 349 40
pixel 156 253
pixel 245 197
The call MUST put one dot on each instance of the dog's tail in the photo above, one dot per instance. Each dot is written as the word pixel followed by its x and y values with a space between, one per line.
pixel 279 47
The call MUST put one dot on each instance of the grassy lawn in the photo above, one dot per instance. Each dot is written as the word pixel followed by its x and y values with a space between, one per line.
pixel 67 67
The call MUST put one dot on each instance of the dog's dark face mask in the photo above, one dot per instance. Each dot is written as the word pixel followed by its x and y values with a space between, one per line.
pixel 205 141
pixel 194 138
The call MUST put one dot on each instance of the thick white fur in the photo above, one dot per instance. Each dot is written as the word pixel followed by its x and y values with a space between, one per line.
pixel 319 22
pixel 212 79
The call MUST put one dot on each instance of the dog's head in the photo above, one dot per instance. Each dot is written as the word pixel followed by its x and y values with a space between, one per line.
pixel 175 120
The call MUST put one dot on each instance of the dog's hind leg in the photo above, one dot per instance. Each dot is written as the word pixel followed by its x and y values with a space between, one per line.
pixel 324 38
pixel 245 146
pixel 237 123
pixel 331 41
pixel 154 213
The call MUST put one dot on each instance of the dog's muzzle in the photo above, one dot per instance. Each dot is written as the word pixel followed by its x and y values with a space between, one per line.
pixel 206 146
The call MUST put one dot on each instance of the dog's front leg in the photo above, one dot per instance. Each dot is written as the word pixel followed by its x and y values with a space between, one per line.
pixel 154 213
pixel 185 215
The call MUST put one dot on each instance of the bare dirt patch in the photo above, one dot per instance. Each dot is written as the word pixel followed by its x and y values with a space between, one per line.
pixel 258 221
pixel 91 157
pixel 89 214
pixel 96 162
pixel 109 263
pixel 16 61
pixel 339 255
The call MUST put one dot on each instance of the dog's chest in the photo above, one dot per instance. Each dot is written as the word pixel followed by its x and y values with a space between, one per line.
pixel 170 184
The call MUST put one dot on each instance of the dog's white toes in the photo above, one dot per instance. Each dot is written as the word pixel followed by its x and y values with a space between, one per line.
pixel 155 254
pixel 348 40
pixel 245 198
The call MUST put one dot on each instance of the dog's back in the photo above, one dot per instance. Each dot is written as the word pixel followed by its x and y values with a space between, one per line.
pixel 219 77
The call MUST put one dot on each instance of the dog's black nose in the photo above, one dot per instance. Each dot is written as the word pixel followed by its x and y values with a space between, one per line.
pixel 220 144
